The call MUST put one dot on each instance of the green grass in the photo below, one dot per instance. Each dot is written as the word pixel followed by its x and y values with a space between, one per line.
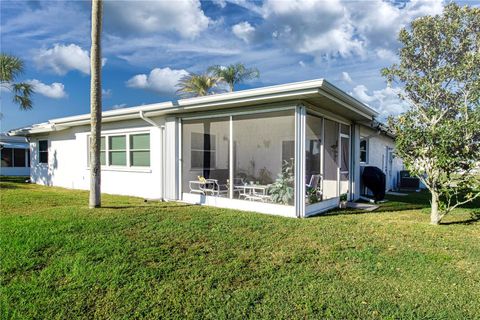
pixel 135 259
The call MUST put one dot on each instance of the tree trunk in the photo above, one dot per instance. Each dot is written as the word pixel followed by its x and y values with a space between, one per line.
pixel 95 104
pixel 434 214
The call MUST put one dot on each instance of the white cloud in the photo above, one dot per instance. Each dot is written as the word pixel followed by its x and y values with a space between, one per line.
pixel 106 93
pixel 160 80
pixel 63 58
pixel 338 27
pixel 55 90
pixel 244 31
pixel 385 101
pixel 346 77
pixel 137 17
pixel 118 106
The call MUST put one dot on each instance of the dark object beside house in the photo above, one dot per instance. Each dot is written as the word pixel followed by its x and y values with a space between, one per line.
pixel 374 179
pixel 407 181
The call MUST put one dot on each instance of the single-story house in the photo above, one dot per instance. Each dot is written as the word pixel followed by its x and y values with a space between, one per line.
pixel 292 150
pixel 15 156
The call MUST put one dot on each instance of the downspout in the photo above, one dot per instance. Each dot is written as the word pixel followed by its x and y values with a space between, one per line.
pixel 162 152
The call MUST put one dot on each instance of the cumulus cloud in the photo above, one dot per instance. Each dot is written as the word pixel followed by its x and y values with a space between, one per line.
pixel 55 90
pixel 106 93
pixel 385 101
pixel 346 77
pixel 338 27
pixel 64 58
pixel 244 31
pixel 139 17
pixel 160 80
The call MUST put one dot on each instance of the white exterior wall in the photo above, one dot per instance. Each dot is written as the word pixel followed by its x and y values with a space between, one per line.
pixel 68 164
pixel 377 154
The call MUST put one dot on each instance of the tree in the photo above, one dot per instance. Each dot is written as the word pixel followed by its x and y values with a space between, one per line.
pixel 438 138
pixel 95 104
pixel 195 85
pixel 10 68
pixel 234 74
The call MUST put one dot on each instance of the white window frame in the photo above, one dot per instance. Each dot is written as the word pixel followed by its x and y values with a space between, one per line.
pixel 366 150
pixel 44 151
pixel 203 150
pixel 130 150
pixel 127 150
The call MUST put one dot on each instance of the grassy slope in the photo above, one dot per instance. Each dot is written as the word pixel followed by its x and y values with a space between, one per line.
pixel 135 259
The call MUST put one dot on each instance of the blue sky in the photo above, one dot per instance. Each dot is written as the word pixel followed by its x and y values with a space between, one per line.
pixel 149 45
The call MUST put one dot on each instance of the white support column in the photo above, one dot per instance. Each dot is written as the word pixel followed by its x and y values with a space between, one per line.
pixel 355 163
pixel 300 116
pixel 230 161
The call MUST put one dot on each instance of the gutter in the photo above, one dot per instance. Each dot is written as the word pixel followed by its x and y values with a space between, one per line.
pixel 142 115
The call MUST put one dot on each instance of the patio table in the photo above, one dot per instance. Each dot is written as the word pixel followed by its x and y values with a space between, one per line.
pixel 250 191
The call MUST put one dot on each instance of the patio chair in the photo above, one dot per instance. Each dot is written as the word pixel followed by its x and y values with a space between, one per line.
pixel 316 183
pixel 213 188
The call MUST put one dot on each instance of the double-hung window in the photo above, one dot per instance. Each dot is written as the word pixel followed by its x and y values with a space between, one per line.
pixel 363 150
pixel 124 150
pixel 43 151
pixel 140 150
pixel 203 151
pixel 117 150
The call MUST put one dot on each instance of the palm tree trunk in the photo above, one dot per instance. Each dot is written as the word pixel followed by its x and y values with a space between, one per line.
pixel 95 104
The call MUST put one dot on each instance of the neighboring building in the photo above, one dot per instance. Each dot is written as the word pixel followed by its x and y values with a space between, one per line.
pixel 223 150
pixel 15 153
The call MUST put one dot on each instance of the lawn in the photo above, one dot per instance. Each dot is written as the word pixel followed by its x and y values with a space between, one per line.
pixel 136 259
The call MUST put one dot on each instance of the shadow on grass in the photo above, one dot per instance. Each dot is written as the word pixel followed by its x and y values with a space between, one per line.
pixel 474 218
pixel 149 206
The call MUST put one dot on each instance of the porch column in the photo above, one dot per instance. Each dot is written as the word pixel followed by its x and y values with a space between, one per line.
pixel 355 162
pixel 300 115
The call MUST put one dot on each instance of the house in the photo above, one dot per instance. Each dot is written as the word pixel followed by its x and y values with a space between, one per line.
pixel 289 150
pixel 15 156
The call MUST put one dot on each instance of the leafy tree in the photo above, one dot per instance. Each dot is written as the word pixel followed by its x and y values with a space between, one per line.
pixel 10 68
pixel 438 138
pixel 95 104
pixel 233 74
pixel 195 85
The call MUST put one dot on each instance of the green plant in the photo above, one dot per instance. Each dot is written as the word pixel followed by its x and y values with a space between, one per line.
pixel 343 197
pixel 438 137
pixel 282 190
pixel 312 195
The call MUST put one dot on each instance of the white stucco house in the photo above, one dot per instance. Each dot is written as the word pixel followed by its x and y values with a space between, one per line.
pixel 289 150
pixel 15 156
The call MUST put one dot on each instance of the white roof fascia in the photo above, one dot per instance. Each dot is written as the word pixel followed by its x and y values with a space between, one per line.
pixel 297 90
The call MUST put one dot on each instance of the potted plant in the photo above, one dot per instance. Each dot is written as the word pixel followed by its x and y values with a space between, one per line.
pixel 343 201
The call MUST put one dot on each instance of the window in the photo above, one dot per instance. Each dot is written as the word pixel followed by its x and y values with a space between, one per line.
pixel 203 151
pixel 140 150
pixel 288 150
pixel 7 157
pixel 43 151
pixel 117 146
pixel 363 150
pixel 128 150
pixel 19 157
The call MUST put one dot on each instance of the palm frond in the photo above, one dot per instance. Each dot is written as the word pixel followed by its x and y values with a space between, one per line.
pixel 233 74
pixel 22 95
pixel 195 85
pixel 10 67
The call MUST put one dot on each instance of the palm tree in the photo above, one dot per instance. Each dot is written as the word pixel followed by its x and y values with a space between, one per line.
pixel 233 74
pixel 195 85
pixel 10 68
pixel 95 104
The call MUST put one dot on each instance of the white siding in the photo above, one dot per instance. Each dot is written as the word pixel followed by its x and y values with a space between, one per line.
pixel 68 165
pixel 377 154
